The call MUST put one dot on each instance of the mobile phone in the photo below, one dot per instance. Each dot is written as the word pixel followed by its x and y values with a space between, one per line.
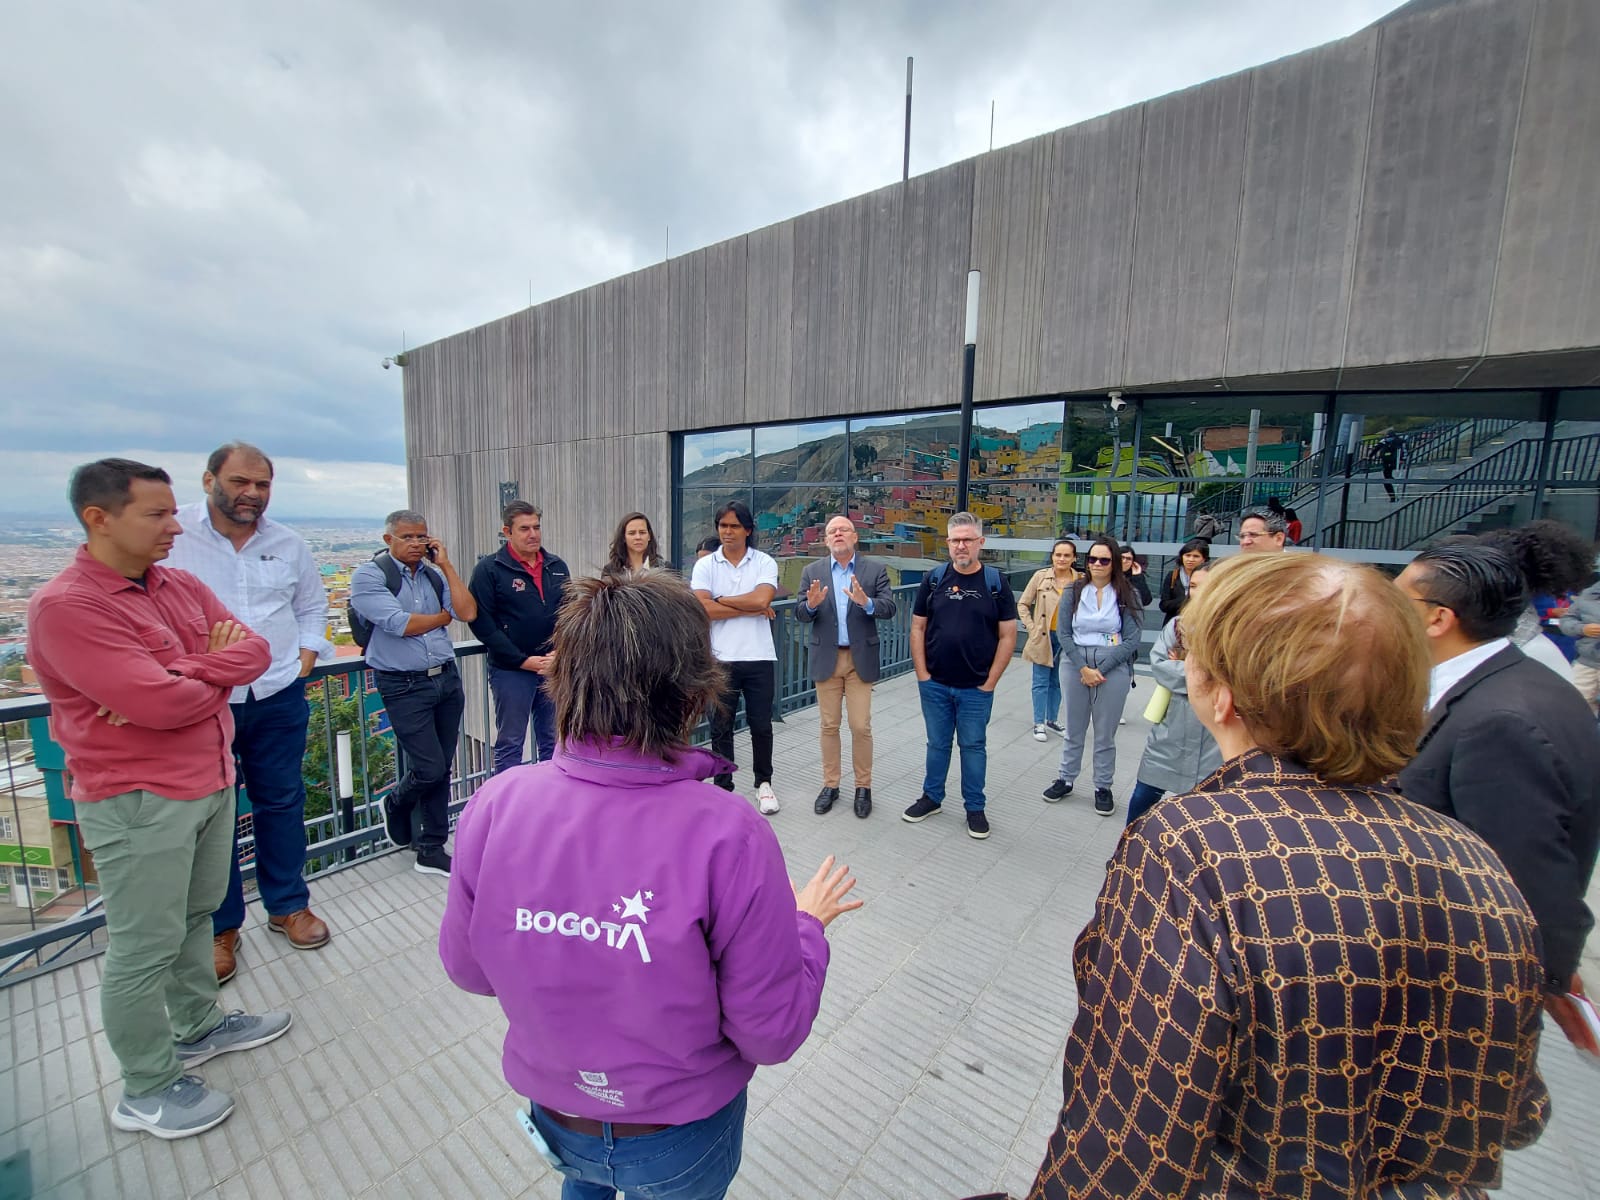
pixel 433 554
pixel 525 1119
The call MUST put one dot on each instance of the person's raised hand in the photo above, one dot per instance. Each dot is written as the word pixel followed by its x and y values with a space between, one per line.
pixel 823 895
pixel 815 594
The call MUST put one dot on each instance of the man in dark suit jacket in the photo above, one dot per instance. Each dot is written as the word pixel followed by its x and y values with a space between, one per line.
pixel 1509 749
pixel 843 597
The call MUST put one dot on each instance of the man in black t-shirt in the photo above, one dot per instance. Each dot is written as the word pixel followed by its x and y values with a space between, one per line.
pixel 963 633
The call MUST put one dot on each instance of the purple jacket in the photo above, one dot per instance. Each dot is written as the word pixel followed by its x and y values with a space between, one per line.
pixel 639 929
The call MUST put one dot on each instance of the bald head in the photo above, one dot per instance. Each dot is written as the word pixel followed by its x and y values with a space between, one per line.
pixel 840 535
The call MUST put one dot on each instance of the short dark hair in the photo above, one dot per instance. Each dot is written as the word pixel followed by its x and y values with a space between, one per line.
pixel 1477 581
pixel 710 545
pixel 1274 521
pixel 519 508
pixel 107 483
pixel 1553 557
pixel 1200 545
pixel 741 512
pixel 226 451
pixel 633 661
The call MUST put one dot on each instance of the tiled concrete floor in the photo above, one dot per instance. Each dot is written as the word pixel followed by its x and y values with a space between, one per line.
pixel 933 1070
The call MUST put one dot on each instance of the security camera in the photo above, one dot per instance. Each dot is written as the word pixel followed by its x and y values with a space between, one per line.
pixel 387 363
pixel 1115 400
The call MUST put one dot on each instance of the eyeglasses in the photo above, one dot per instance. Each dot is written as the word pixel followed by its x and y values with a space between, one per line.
pixel 961 541
pixel 1098 560
pixel 412 537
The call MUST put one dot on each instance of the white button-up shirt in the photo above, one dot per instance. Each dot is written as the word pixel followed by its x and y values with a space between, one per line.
pixel 738 639
pixel 272 585
pixel 1453 670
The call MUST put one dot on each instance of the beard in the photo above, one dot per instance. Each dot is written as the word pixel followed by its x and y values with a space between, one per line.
pixel 239 512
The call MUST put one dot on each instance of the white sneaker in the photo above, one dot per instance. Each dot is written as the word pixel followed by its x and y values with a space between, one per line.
pixel 1038 733
pixel 767 798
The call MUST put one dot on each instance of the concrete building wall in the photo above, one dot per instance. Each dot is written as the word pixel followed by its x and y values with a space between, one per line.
pixel 1410 207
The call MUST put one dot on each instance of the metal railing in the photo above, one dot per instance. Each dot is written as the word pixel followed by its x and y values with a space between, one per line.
pixel 341 830
pixel 1501 478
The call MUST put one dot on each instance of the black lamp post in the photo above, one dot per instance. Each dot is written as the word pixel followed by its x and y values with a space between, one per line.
pixel 969 354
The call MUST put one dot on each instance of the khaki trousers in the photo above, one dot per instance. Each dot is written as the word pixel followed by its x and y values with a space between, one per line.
pixel 845 687
pixel 163 867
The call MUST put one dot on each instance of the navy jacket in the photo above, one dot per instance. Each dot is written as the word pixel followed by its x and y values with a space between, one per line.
pixel 514 621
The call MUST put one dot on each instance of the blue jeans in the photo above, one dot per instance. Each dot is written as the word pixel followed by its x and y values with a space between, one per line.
pixel 517 695
pixel 1143 800
pixel 269 742
pixel 696 1161
pixel 1047 686
pixel 964 714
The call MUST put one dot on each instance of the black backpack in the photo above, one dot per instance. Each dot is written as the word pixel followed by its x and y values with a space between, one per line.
pixel 360 627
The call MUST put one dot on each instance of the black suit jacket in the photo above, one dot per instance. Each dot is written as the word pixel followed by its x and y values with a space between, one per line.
pixel 1513 752
pixel 862 628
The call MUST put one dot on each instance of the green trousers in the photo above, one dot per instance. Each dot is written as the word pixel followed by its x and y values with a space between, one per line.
pixel 163 867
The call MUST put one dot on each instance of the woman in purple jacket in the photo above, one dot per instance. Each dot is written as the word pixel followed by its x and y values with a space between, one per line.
pixel 636 923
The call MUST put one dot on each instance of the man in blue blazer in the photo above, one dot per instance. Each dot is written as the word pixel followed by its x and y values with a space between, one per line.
pixel 843 596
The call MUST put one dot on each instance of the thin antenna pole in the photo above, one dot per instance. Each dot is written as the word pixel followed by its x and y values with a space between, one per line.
pixel 991 124
pixel 905 166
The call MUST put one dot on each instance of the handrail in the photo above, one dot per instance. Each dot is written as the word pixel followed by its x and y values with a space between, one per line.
pixel 337 838
pixel 1505 474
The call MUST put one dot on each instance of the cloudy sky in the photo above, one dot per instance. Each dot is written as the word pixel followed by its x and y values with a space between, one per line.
pixel 216 220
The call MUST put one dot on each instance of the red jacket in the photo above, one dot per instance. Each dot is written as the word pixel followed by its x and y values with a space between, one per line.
pixel 98 639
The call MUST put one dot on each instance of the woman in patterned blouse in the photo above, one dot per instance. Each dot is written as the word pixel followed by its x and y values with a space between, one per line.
pixel 1295 982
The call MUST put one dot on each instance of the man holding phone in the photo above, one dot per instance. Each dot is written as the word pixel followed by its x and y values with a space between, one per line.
pixel 414 665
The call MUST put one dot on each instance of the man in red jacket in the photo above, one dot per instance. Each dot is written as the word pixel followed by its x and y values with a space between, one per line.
pixel 138 663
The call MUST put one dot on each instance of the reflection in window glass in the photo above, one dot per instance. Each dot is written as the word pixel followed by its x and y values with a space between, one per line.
pixel 919 449
pixel 716 459
pixel 1018 509
pixel 790 520
pixel 1019 441
pixel 902 520
pixel 698 522
pixel 806 453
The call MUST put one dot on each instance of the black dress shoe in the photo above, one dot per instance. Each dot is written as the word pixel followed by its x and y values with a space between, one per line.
pixel 825 799
pixel 863 802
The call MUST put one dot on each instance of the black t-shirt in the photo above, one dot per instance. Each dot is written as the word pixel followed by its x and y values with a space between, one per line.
pixel 963 624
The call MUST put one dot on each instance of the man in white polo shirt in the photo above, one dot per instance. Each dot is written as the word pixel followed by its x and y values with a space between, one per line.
pixel 736 584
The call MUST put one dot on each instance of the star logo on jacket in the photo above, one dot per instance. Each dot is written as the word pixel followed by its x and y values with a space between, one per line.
pixel 634 906
pixel 519 584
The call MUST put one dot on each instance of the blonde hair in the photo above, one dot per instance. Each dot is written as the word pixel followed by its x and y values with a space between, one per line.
pixel 1325 659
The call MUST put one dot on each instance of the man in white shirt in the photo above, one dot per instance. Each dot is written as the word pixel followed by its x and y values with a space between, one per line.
pixel 263 572
pixel 736 584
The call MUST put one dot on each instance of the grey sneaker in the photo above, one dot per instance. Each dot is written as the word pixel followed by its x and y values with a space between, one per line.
pixel 183 1108
pixel 238 1031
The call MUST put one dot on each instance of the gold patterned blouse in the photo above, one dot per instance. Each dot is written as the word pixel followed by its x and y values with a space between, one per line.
pixel 1291 989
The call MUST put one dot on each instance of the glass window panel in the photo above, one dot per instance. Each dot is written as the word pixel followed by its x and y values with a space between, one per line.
pixel 1205 436
pixel 1018 441
pixel 903 521
pixel 800 453
pixel 1015 508
pixel 716 459
pixel 1578 404
pixel 919 449
pixel 1575 506
pixel 699 507
pixel 790 521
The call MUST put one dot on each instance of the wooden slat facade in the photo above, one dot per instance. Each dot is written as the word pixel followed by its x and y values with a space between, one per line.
pixel 1413 206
